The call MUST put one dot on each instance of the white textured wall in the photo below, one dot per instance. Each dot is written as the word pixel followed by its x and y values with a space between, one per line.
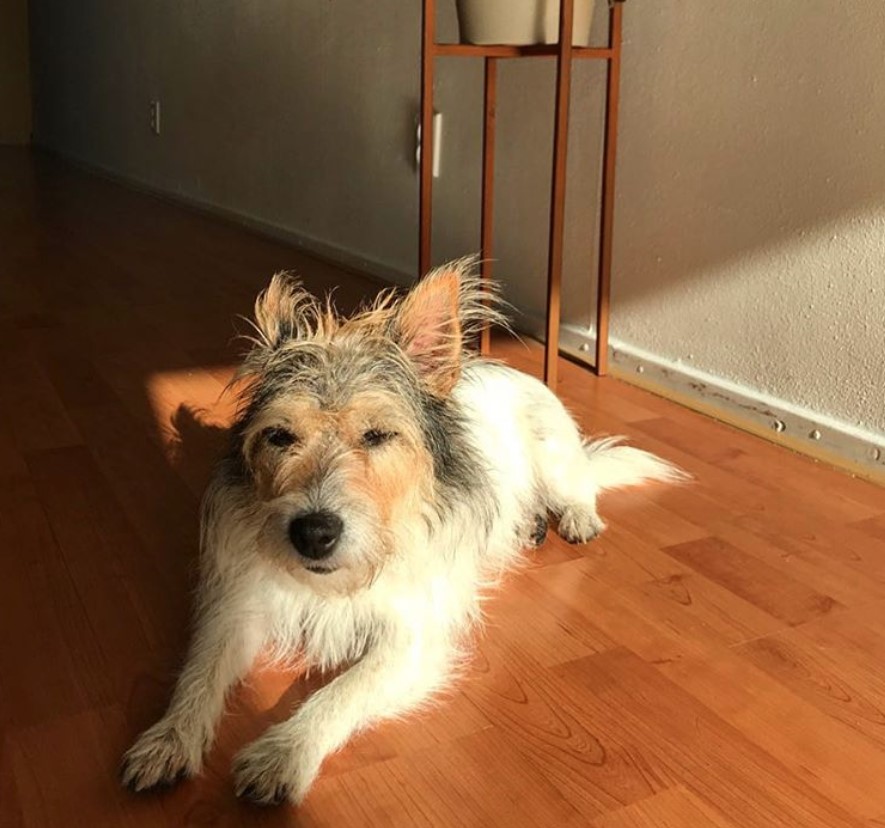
pixel 751 191
pixel 751 203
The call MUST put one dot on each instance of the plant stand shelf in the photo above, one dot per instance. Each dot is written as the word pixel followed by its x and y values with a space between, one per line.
pixel 565 53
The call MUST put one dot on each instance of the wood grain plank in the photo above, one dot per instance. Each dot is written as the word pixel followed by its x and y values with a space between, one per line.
pixel 834 759
pixel 836 671
pixel 805 535
pixel 542 720
pixel 874 527
pixel 754 580
pixel 622 614
pixel 122 592
pixel 670 589
pixel 674 613
pixel 751 461
pixel 43 624
pixel 156 502
pixel 55 791
pixel 674 808
pixel 33 413
pixel 684 739
pixel 793 559
pixel 448 786
pixel 519 618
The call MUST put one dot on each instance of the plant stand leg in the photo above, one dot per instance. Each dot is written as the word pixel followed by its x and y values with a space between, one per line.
pixel 557 196
pixel 603 285
pixel 488 183
pixel 425 167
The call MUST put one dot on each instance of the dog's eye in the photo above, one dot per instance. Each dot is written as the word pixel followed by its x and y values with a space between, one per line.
pixel 279 437
pixel 375 437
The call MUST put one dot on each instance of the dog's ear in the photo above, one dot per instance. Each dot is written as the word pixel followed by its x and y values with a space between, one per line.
pixel 284 311
pixel 281 311
pixel 429 330
pixel 440 319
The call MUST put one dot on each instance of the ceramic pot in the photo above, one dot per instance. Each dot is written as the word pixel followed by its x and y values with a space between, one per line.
pixel 520 22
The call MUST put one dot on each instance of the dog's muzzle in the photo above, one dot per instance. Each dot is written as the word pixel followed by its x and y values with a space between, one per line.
pixel 316 534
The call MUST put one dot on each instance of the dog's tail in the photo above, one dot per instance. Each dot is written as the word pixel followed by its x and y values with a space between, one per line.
pixel 616 466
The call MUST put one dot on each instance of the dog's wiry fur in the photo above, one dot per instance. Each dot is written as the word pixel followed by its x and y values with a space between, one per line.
pixel 438 468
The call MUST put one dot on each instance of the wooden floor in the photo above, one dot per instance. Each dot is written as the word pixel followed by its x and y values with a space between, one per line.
pixel 717 658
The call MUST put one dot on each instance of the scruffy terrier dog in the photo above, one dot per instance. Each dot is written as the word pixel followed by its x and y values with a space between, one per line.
pixel 380 478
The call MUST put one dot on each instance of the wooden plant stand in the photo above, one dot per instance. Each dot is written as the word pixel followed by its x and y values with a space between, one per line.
pixel 564 53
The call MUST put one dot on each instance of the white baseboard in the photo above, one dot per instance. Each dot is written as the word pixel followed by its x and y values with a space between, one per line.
pixel 841 444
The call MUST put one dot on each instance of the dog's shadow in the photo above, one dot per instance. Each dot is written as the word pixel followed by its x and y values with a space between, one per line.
pixel 194 444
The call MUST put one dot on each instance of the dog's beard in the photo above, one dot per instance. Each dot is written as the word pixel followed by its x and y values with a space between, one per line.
pixel 364 548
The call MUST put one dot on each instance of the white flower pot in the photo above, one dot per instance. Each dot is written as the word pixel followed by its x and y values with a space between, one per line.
pixel 520 22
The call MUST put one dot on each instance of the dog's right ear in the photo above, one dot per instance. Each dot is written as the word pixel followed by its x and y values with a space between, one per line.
pixel 284 312
pixel 281 311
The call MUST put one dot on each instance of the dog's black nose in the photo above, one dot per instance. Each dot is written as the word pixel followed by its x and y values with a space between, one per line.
pixel 315 535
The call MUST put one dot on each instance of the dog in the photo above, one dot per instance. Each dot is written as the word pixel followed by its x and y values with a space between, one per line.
pixel 381 478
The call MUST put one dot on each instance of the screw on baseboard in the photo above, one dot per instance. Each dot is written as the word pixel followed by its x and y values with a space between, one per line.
pixel 815 435
pixel 585 346
pixel 779 426
pixel 640 369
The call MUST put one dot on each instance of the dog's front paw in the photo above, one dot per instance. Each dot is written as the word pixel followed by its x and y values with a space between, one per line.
pixel 160 758
pixel 273 770
pixel 538 531
pixel 579 524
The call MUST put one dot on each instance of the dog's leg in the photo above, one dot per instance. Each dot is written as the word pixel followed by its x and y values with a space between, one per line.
pixel 225 644
pixel 565 473
pixel 386 682
pixel 538 530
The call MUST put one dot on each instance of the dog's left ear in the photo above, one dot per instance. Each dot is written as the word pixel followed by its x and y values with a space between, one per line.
pixel 429 330
pixel 284 311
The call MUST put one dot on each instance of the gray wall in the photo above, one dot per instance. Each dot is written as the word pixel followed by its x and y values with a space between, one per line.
pixel 751 193
pixel 15 92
